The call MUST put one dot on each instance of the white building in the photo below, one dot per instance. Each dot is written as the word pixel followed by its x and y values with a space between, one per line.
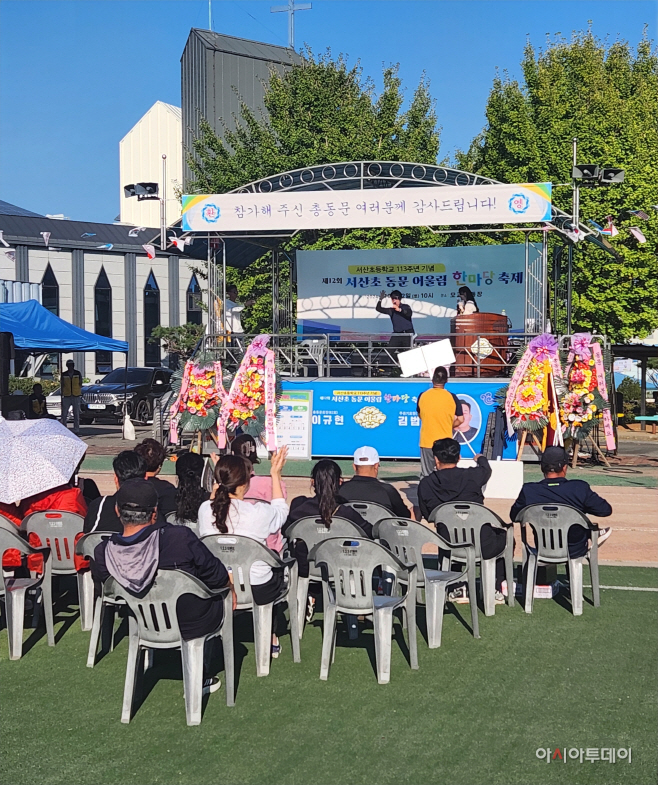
pixel 99 277
pixel 158 133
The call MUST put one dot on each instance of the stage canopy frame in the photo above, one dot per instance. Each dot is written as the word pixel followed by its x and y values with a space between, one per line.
pixel 241 249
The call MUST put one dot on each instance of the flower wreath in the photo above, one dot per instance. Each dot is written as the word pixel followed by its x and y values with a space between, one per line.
pixel 531 400
pixel 586 398
pixel 199 398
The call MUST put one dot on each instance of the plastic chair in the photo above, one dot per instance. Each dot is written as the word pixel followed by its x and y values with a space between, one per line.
pixel 153 624
pixel 57 529
pixel 347 568
pixel 193 525
pixel 100 604
pixel 13 591
pixel 464 521
pixel 238 553
pixel 550 524
pixel 370 511
pixel 311 531
pixel 406 539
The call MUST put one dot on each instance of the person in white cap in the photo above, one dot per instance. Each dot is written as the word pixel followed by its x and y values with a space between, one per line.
pixel 365 487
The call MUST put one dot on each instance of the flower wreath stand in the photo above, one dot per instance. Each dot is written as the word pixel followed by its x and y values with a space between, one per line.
pixel 251 401
pixel 531 403
pixel 199 394
pixel 585 402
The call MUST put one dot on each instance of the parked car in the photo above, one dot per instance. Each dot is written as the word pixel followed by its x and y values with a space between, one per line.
pixel 54 404
pixel 105 398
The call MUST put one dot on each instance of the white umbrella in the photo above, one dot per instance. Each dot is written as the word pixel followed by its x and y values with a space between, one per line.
pixel 36 455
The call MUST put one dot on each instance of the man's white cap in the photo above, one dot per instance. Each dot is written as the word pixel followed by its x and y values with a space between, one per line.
pixel 366 456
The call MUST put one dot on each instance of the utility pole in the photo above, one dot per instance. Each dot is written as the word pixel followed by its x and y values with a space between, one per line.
pixel 163 205
pixel 575 221
pixel 290 9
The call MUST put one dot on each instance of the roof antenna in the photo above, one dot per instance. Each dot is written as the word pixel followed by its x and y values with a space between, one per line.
pixel 210 15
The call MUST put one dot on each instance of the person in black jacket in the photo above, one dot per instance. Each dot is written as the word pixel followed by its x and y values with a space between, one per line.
pixel 403 328
pixel 365 487
pixel 556 489
pixel 449 483
pixel 154 454
pixel 101 514
pixel 147 545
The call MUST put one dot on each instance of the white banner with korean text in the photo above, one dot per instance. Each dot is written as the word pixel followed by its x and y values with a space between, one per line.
pixel 377 207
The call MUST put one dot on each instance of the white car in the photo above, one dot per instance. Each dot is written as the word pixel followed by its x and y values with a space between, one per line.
pixel 54 404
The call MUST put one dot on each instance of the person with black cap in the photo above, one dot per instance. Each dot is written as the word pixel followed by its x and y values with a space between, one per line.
pixel 147 545
pixel 260 486
pixel 403 328
pixel 71 381
pixel 556 489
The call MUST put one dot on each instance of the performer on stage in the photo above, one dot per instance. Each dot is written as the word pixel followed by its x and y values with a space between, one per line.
pixel 234 310
pixel 400 314
pixel 466 303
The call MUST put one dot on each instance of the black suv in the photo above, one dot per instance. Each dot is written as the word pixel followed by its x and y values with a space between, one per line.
pixel 106 397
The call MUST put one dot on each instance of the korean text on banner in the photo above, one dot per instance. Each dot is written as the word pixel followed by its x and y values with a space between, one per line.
pixel 377 207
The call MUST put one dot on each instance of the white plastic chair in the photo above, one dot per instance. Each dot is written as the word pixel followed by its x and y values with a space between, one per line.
pixel 347 571
pixel 550 524
pixel 193 525
pixel 153 624
pixel 406 539
pixel 238 553
pixel 57 530
pixel 464 520
pixel 370 511
pixel 102 604
pixel 311 531
pixel 13 591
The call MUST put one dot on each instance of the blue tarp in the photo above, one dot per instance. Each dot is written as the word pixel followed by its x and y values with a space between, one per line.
pixel 35 328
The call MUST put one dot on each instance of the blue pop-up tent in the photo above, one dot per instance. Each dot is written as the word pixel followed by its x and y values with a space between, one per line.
pixel 36 329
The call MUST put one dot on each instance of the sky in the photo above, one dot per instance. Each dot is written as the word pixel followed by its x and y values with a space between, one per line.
pixel 76 75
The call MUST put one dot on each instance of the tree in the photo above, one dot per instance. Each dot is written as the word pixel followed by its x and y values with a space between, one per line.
pixel 180 340
pixel 607 97
pixel 319 111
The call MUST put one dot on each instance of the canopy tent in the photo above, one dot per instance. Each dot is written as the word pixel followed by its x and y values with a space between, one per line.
pixel 36 329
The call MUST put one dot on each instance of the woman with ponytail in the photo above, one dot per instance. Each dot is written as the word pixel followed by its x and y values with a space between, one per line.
pixel 327 503
pixel 190 495
pixel 228 513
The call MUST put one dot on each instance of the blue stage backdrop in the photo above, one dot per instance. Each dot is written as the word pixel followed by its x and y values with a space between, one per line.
pixel 350 413
pixel 338 290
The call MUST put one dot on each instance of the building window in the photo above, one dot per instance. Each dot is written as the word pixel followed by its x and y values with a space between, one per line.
pixel 103 319
pixel 50 291
pixel 194 302
pixel 152 354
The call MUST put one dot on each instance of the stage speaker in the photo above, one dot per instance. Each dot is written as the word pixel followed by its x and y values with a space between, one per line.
pixel 6 356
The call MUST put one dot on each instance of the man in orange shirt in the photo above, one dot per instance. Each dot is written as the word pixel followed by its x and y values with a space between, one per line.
pixel 440 413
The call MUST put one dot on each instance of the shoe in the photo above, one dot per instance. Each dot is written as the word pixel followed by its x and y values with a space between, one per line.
pixel 604 534
pixel 459 596
pixel 276 650
pixel 211 685
pixel 310 609
pixel 499 598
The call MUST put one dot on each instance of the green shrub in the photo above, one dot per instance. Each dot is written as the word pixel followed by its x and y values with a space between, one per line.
pixel 24 384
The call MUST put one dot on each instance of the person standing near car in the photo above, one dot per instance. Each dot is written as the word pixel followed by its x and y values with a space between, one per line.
pixel 71 394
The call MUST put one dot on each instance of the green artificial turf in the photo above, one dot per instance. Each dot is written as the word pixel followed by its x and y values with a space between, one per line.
pixel 475 712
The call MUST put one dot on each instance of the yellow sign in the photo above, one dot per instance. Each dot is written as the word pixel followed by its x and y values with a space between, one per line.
pixel 382 269
pixel 371 393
